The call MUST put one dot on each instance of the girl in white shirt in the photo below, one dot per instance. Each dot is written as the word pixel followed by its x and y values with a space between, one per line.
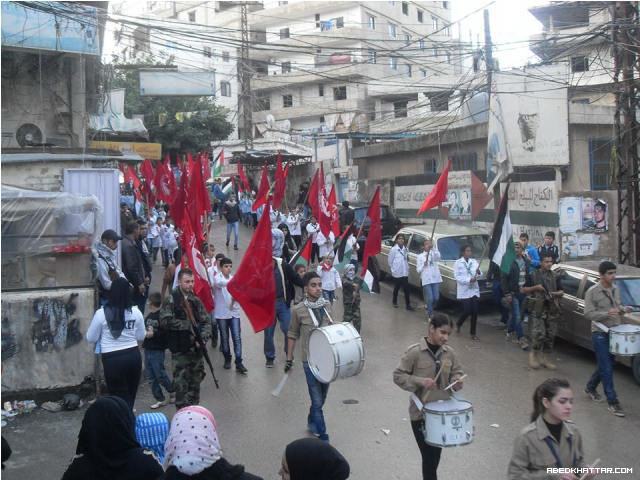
pixel 330 278
pixel 466 271
pixel 427 268
pixel 325 244
pixel 119 326
pixel 293 221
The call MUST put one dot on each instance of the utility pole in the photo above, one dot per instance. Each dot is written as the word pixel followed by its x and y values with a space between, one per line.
pixel 488 58
pixel 244 75
pixel 626 48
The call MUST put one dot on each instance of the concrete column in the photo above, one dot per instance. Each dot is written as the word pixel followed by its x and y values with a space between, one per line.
pixel 79 116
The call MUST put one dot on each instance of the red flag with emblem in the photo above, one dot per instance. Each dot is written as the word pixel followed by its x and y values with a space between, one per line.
pixel 333 211
pixel 313 194
pixel 439 192
pixel 280 184
pixel 263 190
pixel 201 286
pixel 178 202
pixel 164 182
pixel 243 178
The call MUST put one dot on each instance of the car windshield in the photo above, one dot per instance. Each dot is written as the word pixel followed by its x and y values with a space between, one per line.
pixel 360 213
pixel 629 291
pixel 449 247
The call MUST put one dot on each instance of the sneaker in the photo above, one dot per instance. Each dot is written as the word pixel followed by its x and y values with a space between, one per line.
pixel 616 409
pixel 524 344
pixel 507 336
pixel 235 247
pixel 475 338
pixel 157 405
pixel 312 429
pixel 269 363
pixel 241 369
pixel 227 364
pixel 410 308
pixel 593 395
pixel 395 305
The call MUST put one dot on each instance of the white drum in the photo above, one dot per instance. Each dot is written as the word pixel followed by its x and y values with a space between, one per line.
pixel 448 423
pixel 624 340
pixel 335 351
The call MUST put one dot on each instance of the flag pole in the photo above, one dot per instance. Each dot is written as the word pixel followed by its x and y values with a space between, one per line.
pixel 435 222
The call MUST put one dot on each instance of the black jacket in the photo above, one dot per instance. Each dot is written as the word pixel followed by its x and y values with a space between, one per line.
pixel 231 213
pixel 221 470
pixel 132 265
pixel 160 340
pixel 291 278
pixel 146 261
pixel 509 282
pixel 346 216
pixel 552 250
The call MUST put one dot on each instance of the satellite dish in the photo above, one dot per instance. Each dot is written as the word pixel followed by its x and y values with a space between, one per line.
pixel 271 122
pixel 285 125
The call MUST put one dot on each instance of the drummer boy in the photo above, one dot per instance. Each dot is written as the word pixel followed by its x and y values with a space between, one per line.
pixel 425 369
pixel 313 312
pixel 603 307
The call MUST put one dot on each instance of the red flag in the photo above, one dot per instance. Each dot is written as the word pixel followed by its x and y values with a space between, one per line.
pixel 206 166
pixel 195 200
pixel 253 286
pixel 201 287
pixel 147 171
pixel 263 190
pixel 280 184
pixel 243 178
pixel 439 192
pixel 178 202
pixel 333 211
pixel 314 194
pixel 319 203
pixel 201 163
pixel 373 244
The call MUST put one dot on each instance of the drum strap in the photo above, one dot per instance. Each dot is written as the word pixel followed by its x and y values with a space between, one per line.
pixel 315 320
pixel 552 447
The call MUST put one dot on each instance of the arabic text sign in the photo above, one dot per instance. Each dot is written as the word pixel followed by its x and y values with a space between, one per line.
pixel 533 197
pixel 152 151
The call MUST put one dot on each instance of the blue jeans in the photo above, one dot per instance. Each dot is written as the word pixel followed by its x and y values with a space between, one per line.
pixel 318 394
pixel 604 372
pixel 233 226
pixel 157 375
pixel 329 295
pixel 283 315
pixel 431 292
pixel 225 325
pixel 515 321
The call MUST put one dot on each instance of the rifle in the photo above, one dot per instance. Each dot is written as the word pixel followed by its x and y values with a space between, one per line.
pixel 202 346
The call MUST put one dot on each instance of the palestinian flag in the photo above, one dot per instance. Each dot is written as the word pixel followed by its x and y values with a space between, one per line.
pixel 342 250
pixel 371 276
pixel 501 247
pixel 302 256
pixel 218 163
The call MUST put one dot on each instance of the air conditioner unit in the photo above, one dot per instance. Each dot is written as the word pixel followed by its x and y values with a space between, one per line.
pixel 26 134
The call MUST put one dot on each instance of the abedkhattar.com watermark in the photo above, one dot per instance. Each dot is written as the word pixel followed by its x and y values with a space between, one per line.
pixel 579 472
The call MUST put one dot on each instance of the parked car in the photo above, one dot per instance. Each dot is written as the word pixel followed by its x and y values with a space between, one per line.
pixel 390 222
pixel 576 278
pixel 449 239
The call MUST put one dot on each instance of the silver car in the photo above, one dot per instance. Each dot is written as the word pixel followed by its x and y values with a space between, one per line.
pixel 449 240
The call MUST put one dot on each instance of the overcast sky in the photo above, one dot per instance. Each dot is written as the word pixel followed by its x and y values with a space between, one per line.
pixel 511 26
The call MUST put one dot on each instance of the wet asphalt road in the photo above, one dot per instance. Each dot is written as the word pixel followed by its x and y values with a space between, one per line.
pixel 255 427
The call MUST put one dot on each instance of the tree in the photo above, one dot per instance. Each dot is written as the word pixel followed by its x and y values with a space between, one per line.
pixel 180 124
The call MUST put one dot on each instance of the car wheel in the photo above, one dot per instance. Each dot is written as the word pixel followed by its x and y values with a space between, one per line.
pixel 635 366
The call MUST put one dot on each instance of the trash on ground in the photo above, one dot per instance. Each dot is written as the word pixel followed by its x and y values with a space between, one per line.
pixel 51 407
pixel 494 425
pixel 385 431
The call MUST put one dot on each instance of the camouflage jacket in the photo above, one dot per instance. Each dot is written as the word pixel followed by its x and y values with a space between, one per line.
pixel 173 316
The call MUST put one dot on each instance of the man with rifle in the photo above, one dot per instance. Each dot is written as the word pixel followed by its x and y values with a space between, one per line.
pixel 189 329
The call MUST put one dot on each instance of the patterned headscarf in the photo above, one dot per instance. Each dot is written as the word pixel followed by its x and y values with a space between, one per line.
pixel 152 430
pixel 193 443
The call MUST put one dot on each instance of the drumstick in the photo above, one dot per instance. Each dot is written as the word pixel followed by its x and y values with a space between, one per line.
pixel 435 380
pixel 593 465
pixel 458 380
pixel 276 391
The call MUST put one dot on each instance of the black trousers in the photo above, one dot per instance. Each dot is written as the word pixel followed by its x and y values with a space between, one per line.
pixel 470 308
pixel 315 252
pixel 122 370
pixel 404 283
pixel 297 239
pixel 430 455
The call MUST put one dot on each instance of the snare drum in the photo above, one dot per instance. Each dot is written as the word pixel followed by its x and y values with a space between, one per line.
pixel 624 340
pixel 448 423
pixel 335 351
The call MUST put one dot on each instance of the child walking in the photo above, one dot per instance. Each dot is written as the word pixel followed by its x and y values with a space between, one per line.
pixel 330 278
pixel 351 286
pixel 154 345
pixel 227 313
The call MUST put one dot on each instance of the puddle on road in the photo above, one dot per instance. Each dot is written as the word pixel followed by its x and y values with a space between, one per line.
pixel 350 401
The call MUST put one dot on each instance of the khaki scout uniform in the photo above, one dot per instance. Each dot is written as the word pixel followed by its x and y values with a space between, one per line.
pixel 187 359
pixel 302 325
pixel 534 449
pixel 418 363
pixel 544 312
pixel 597 303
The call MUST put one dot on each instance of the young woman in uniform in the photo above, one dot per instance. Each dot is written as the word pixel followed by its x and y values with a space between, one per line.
pixel 551 440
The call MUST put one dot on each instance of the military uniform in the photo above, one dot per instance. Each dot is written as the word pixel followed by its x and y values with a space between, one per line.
pixel 544 315
pixel 188 360
pixel 351 300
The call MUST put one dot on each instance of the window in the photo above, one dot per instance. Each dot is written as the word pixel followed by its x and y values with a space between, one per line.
pixel 445 5
pixel 322 121
pixel 423 73
pixel 408 70
pixel 263 102
pixel 447 30
pixel 407 39
pixel 339 22
pixel 286 67
pixel 340 93
pixel 373 57
pixel 317 20
pixel 430 165
pixel 449 247
pixel 570 282
pixel 371 21
pixel 400 109
pixel 599 163
pixel 416 245
pixel 284 33
pixel 405 8
pixel 192 16
pixel 206 51
pixel 421 43
pixel 434 22
pixel 579 64
pixel 225 89
pixel 287 101
pixel 464 161
pixel 225 56
pixel 393 63
pixel 321 90
pixel 420 16
pixel 393 30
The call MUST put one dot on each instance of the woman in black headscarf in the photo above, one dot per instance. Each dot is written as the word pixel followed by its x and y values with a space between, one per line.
pixel 118 327
pixel 107 447
pixel 313 459
pixel 289 247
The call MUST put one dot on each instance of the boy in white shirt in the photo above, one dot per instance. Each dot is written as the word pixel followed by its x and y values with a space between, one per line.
pixel 312 230
pixel 293 222
pixel 227 313
pixel 325 244
pixel 427 268
pixel 330 278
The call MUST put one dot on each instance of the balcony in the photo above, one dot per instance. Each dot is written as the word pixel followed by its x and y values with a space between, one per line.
pixel 313 109
pixel 336 71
